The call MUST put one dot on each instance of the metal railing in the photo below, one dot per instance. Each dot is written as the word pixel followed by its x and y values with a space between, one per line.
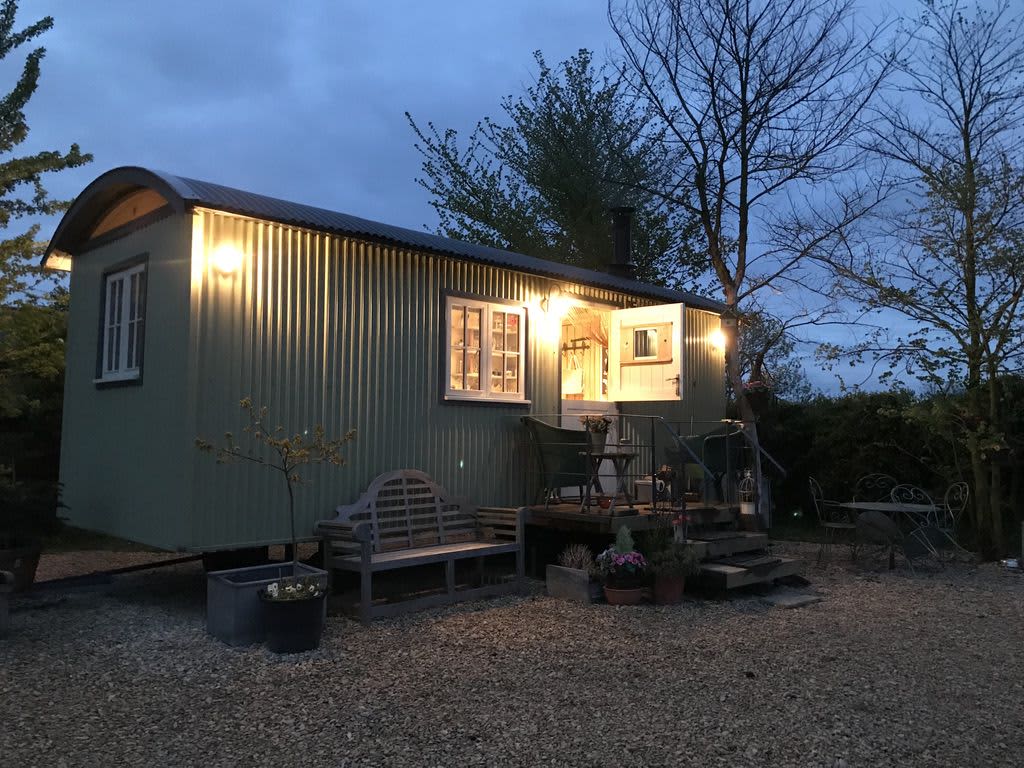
pixel 670 457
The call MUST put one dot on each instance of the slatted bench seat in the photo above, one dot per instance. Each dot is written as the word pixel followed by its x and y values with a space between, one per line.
pixel 405 519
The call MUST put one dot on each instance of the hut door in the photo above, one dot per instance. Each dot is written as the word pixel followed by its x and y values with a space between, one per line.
pixel 645 353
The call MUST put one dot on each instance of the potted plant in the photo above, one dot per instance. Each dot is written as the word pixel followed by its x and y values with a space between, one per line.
pixel 294 613
pixel 623 568
pixel 575 576
pixel 292 595
pixel 597 428
pixel 670 567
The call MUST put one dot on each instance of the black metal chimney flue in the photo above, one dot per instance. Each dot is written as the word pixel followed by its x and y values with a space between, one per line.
pixel 622 255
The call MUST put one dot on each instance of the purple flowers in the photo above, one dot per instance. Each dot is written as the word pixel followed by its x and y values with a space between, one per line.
pixel 618 563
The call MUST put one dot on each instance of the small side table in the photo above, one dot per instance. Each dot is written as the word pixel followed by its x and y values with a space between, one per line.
pixel 620 461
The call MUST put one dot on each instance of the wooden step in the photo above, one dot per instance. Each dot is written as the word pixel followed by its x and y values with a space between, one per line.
pixel 760 570
pixel 711 545
pixel 700 515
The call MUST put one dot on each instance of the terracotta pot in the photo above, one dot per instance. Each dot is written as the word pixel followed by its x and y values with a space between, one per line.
pixel 668 590
pixel 630 596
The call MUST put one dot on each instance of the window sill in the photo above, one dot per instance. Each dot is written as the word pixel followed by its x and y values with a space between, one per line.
pixel 471 400
pixel 110 382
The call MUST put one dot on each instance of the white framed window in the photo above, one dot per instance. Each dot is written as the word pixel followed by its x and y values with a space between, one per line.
pixel 124 323
pixel 484 345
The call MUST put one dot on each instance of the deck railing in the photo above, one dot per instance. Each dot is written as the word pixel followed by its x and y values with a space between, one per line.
pixel 707 457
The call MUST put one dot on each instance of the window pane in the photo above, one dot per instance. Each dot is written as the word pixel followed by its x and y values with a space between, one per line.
pixel 645 342
pixel 497 331
pixel 131 346
pixel 497 377
pixel 111 361
pixel 458 326
pixel 473 315
pixel 457 357
pixel 511 373
pixel 473 369
pixel 512 333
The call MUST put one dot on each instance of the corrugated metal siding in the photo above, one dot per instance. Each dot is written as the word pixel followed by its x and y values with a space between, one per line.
pixel 327 329
pixel 704 373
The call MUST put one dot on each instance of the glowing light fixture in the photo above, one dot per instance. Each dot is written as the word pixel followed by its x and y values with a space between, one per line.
pixel 556 305
pixel 226 259
pixel 717 339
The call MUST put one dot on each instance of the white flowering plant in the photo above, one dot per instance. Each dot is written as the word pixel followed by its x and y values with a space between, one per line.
pixel 306 588
pixel 598 424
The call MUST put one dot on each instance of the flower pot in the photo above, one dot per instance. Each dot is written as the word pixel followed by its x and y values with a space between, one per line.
pixel 293 626
pixel 20 557
pixel 598 440
pixel 668 590
pixel 570 584
pixel 623 596
pixel 234 614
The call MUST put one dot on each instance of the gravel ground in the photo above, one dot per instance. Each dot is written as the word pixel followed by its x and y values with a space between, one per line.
pixel 894 669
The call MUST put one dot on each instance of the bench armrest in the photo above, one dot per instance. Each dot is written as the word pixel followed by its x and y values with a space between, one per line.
pixel 345 531
pixel 504 522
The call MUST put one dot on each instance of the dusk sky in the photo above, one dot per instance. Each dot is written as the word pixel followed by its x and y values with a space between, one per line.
pixel 303 101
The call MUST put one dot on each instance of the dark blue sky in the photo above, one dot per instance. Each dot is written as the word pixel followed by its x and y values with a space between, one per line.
pixel 297 100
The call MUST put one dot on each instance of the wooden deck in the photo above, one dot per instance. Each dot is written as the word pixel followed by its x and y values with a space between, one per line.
pixel 567 517
pixel 731 558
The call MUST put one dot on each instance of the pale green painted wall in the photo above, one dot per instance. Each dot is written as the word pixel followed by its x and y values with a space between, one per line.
pixel 122 465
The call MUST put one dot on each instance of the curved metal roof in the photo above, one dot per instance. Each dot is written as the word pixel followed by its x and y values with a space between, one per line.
pixel 182 193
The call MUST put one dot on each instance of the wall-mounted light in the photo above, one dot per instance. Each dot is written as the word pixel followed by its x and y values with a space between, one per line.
pixel 717 339
pixel 226 259
pixel 556 305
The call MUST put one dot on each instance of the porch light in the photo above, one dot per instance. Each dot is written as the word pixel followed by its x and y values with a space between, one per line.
pixel 717 339
pixel 556 304
pixel 226 259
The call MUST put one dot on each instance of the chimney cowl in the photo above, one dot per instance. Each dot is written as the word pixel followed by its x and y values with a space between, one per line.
pixel 622 253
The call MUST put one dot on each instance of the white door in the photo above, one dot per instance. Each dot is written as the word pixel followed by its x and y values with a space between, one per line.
pixel 645 353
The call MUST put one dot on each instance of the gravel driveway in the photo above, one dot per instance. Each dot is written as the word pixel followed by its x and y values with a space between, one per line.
pixel 890 669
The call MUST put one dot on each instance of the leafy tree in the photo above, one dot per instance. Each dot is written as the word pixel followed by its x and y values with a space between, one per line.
pixel 21 188
pixel 760 104
pixel 955 262
pixel 32 309
pixel 767 349
pixel 574 145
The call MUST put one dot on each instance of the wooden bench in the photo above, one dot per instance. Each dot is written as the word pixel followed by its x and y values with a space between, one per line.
pixel 405 519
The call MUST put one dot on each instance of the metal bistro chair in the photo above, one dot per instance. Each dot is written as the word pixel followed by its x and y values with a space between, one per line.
pixel 874 487
pixel 911 494
pixel 833 519
pixel 559 454
pixel 922 531
pixel 947 515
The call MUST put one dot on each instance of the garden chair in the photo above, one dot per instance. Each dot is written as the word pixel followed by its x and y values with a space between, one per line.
pixel 947 515
pixel 833 519
pixel 874 487
pixel 912 495
pixel 877 528
pixel 561 454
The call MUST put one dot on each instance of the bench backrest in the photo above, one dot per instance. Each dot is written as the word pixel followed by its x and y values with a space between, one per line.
pixel 406 509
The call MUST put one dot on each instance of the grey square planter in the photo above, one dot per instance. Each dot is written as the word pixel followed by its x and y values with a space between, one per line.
pixel 234 613
pixel 571 584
